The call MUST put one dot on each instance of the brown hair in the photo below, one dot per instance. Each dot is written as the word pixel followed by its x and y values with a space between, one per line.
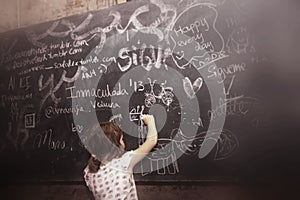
pixel 105 143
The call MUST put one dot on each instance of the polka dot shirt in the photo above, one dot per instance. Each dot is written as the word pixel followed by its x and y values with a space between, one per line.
pixel 113 181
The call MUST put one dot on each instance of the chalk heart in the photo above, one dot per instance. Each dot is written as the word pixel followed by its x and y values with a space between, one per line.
pixel 192 88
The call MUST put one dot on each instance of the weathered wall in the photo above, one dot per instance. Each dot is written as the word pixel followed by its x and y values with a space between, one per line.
pixel 19 13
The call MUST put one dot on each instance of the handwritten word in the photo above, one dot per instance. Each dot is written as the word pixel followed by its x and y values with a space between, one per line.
pixel 61 45
pixel 16 97
pixel 208 46
pixel 199 43
pixel 77 128
pixel 88 74
pixel 193 27
pixel 80 43
pixel 223 72
pixel 27 61
pixel 66 64
pixel 32 69
pixel 26 53
pixel 191 40
pixel 74 51
pixel 50 111
pixel 98 93
pixel 101 104
pixel 23 83
pixel 45 139
pixel 201 63
pixel 59 54
pixel 146 56
pixel 231 106
pixel 90 59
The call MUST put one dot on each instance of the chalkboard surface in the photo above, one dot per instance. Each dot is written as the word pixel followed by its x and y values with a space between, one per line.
pixel 222 114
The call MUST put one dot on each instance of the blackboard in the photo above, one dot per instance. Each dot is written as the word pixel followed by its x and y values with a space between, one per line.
pixel 198 66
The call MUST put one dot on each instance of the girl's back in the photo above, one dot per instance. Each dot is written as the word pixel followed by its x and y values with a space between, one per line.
pixel 111 177
pixel 113 180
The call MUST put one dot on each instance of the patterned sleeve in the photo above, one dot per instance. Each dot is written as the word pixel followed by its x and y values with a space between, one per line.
pixel 86 176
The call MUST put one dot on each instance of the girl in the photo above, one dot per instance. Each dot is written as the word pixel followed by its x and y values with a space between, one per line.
pixel 109 176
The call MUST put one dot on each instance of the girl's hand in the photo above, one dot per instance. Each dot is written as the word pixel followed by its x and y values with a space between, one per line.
pixel 151 141
pixel 148 120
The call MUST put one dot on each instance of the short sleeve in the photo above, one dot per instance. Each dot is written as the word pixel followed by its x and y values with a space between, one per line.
pixel 126 159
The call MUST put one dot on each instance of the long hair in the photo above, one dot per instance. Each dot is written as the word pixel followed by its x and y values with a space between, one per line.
pixel 105 143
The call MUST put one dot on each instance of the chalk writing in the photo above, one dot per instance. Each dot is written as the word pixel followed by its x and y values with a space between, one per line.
pixel 104 105
pixel 96 92
pixel 28 61
pixel 146 56
pixel 66 64
pixel 45 139
pixel 51 111
pixel 135 113
pixel 25 54
pixel 88 74
pixel 235 106
pixel 194 27
pixel 201 63
pixel 138 86
pixel 223 72
pixel 12 98
pixel 22 83
pixel 195 39
pixel 52 89
pixel 77 128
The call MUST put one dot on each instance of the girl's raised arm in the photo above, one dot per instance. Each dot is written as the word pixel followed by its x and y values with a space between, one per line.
pixel 150 142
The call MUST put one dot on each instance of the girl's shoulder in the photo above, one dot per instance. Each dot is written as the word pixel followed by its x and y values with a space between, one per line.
pixel 121 162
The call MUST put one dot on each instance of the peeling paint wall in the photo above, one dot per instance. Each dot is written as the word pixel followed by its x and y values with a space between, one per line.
pixel 20 13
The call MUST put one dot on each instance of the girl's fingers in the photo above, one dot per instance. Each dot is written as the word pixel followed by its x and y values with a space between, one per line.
pixel 146 118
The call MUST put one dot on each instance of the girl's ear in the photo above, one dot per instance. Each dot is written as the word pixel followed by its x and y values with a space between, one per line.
pixel 115 132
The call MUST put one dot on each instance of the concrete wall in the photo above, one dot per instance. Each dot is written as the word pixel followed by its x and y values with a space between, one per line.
pixel 20 13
